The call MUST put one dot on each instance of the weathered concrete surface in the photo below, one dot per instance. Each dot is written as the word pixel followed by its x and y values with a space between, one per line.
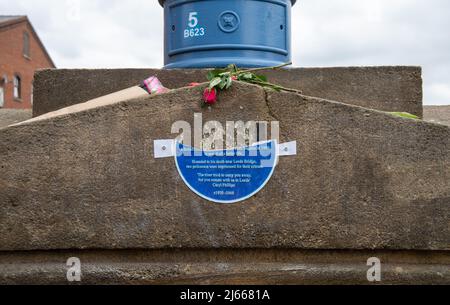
pixel 229 267
pixel 13 116
pixel 382 88
pixel 437 114
pixel 362 180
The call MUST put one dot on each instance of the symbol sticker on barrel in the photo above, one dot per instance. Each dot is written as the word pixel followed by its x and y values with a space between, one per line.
pixel 229 21
pixel 225 176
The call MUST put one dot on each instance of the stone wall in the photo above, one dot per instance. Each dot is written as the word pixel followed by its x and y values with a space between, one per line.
pixel 13 116
pixel 437 114
pixel 364 183
pixel 382 88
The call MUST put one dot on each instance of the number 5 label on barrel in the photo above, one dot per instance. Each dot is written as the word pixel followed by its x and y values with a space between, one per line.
pixel 193 20
pixel 193 30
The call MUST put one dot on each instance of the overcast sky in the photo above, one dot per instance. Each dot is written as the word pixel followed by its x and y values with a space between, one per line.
pixel 117 33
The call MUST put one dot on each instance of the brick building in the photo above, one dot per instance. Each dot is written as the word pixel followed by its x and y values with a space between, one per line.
pixel 21 54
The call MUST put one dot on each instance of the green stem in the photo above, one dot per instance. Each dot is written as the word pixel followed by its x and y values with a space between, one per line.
pixel 276 86
pixel 264 68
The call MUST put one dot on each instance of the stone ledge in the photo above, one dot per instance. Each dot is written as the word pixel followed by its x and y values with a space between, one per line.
pixel 225 267
pixel 381 88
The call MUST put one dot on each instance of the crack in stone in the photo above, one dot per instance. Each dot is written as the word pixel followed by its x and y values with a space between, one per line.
pixel 269 108
pixel 283 134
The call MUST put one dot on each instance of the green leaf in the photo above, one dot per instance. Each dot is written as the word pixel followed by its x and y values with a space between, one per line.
pixel 405 115
pixel 232 68
pixel 210 75
pixel 214 82
pixel 246 76
pixel 229 82
pixel 261 77
pixel 249 75
pixel 214 73
pixel 223 83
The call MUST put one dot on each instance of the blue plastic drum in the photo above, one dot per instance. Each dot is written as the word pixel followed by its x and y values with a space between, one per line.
pixel 216 33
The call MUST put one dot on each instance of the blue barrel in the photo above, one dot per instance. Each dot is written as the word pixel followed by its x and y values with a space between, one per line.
pixel 216 33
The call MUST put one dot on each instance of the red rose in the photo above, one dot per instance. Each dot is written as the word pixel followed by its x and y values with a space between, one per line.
pixel 234 77
pixel 210 96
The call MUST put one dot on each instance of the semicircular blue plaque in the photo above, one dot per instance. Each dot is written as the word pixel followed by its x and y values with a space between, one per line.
pixel 227 176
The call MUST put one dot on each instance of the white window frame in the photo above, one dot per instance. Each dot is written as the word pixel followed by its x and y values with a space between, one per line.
pixel 2 97
pixel 26 45
pixel 17 83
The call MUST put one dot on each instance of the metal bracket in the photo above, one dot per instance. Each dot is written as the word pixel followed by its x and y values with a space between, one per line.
pixel 166 149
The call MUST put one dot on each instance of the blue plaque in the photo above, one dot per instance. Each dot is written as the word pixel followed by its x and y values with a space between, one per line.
pixel 227 176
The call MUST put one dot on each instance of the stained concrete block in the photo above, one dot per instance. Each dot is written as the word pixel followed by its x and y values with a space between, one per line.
pixel 362 179
pixel 381 88
pixel 225 267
